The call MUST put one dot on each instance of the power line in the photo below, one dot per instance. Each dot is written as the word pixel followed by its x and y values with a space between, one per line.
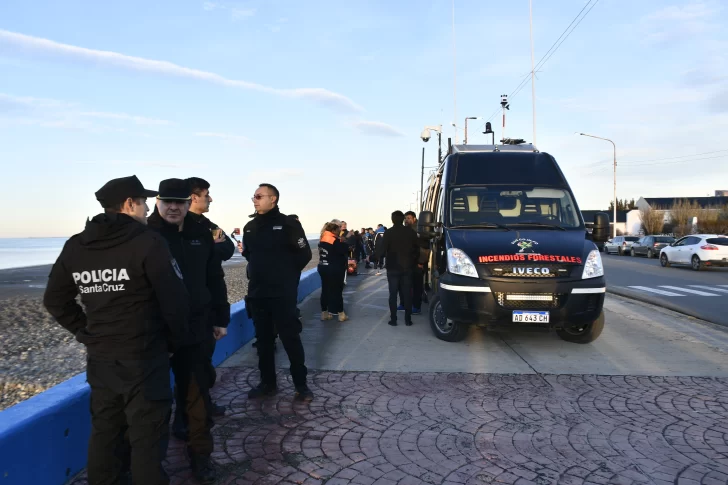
pixel 659 161
pixel 554 47
pixel 675 162
pixel 672 158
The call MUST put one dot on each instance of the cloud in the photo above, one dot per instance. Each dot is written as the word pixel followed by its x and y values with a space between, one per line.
pixel 718 103
pixel 324 97
pixel 676 23
pixel 139 120
pixel 52 113
pixel 241 13
pixel 237 13
pixel 141 163
pixel 377 128
pixel 276 175
pixel 224 136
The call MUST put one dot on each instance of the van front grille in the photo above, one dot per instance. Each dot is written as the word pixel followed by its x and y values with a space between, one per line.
pixel 529 301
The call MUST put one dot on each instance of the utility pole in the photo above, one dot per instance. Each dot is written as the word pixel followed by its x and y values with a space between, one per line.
pixel 614 223
pixel 422 177
pixel 533 74
pixel 454 73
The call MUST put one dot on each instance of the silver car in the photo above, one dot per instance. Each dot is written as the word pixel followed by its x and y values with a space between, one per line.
pixel 620 245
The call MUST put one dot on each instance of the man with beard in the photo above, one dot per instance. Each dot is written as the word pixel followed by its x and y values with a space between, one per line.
pixel 193 247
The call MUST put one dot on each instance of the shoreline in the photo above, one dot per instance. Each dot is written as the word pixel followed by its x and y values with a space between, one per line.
pixel 37 353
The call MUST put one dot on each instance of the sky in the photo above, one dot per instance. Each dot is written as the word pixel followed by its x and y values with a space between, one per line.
pixel 327 99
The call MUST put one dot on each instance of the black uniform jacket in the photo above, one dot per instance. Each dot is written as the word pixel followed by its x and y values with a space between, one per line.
pixel 277 251
pixel 401 249
pixel 193 248
pixel 135 305
pixel 223 252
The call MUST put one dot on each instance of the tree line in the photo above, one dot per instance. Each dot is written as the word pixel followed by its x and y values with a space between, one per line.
pixel 710 220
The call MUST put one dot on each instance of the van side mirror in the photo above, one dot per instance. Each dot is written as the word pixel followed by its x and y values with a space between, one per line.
pixel 426 224
pixel 600 232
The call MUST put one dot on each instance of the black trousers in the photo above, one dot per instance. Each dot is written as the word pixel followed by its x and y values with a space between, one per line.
pixel 271 315
pixel 418 283
pixel 131 403
pixel 332 289
pixel 400 283
pixel 192 384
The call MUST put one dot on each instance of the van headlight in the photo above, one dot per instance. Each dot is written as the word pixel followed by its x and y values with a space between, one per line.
pixel 593 267
pixel 459 263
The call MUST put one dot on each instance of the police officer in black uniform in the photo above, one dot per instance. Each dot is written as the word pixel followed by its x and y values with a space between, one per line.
pixel 134 312
pixel 277 251
pixel 224 250
pixel 193 248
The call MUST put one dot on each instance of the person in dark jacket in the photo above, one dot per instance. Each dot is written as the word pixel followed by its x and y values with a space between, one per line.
pixel 331 268
pixel 277 251
pixel 418 270
pixel 378 238
pixel 193 248
pixel 134 312
pixel 224 250
pixel 399 246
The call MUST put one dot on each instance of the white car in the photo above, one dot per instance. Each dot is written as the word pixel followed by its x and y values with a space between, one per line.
pixel 697 250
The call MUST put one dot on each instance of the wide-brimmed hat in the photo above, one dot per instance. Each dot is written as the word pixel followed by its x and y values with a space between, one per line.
pixel 174 189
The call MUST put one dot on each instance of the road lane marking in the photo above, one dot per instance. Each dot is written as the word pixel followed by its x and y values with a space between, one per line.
pixel 687 290
pixel 655 290
pixel 710 288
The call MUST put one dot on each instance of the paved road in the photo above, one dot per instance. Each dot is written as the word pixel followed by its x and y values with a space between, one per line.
pixel 638 340
pixel 647 403
pixel 703 294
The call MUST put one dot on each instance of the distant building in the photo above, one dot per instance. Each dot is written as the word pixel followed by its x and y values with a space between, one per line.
pixel 721 193
pixel 666 203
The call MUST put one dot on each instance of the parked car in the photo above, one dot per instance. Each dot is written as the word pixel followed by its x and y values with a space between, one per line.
pixel 697 250
pixel 651 246
pixel 620 245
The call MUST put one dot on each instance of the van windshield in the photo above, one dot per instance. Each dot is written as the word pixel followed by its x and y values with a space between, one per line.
pixel 516 205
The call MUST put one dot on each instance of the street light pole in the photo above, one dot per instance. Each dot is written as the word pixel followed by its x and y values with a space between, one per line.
pixel 466 127
pixel 614 224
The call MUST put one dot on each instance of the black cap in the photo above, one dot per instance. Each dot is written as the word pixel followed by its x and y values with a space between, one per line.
pixel 118 190
pixel 174 189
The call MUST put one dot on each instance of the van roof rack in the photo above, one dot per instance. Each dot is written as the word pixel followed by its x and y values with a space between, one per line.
pixel 508 147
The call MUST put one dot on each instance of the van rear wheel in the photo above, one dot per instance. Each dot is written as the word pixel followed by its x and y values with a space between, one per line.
pixel 583 334
pixel 444 328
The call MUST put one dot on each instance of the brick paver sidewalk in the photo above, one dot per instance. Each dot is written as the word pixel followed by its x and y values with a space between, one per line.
pixel 385 428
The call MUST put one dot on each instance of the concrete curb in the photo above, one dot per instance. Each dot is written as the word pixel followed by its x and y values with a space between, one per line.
pixel 637 296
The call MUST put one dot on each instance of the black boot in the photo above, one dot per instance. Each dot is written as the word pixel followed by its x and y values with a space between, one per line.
pixel 202 468
pixel 303 393
pixel 179 427
pixel 262 390
pixel 218 410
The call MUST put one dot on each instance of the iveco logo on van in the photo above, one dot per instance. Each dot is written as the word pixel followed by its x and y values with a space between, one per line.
pixel 531 270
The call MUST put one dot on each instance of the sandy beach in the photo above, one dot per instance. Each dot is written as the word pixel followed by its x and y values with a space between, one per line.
pixel 35 352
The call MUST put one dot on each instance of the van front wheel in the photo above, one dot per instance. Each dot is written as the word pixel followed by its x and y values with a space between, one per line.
pixel 583 334
pixel 444 328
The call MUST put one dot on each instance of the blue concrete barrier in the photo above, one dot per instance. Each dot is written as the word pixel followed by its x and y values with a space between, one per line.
pixel 44 439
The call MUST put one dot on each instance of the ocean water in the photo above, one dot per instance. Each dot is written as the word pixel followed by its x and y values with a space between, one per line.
pixel 22 252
